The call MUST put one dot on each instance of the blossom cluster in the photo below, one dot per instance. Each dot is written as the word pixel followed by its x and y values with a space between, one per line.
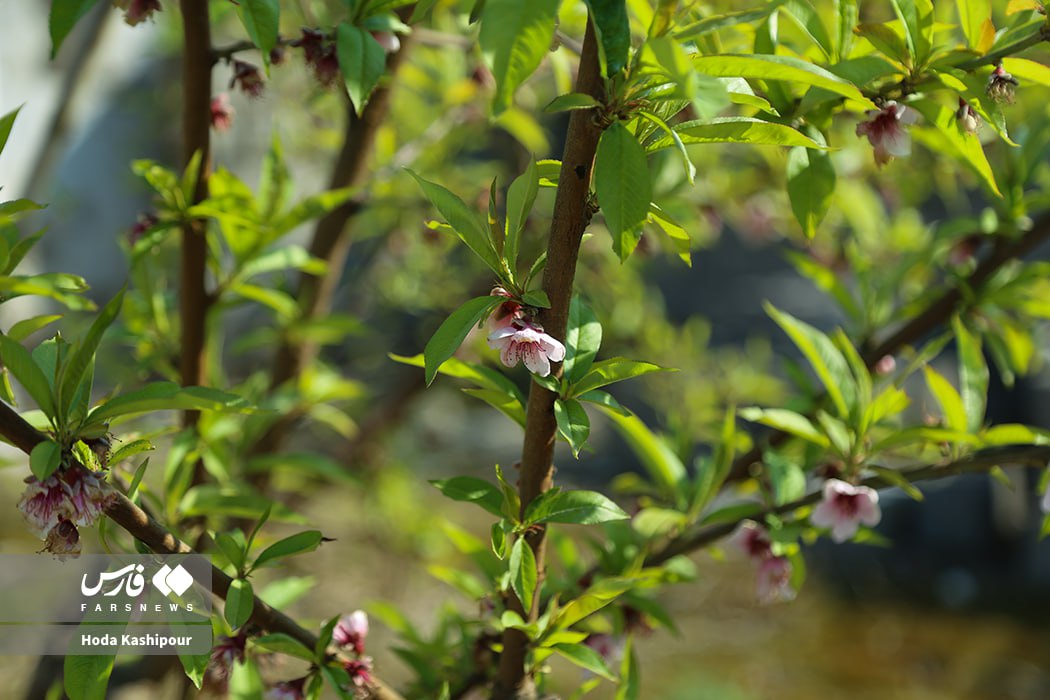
pixel 55 507
pixel 349 635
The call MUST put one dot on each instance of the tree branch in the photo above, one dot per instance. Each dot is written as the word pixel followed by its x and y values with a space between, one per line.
pixel 196 125
pixel 936 314
pixel 570 218
pixel 142 527
pixel 1026 455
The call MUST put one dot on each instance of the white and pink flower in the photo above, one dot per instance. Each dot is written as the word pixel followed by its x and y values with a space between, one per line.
pixel 774 580
pixel 74 495
pixel 221 112
pixel 351 631
pixel 886 131
pixel 845 507
pixel 525 341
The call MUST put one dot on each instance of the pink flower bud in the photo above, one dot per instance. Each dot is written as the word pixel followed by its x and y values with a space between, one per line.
pixel 885 365
pixel 351 631
pixel 388 40
pixel 773 583
pixel 221 112
pixel 967 118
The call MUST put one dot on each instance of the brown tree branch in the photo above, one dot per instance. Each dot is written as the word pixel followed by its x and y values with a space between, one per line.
pixel 571 215
pixel 331 243
pixel 142 527
pixel 1026 455
pixel 196 126
pixel 935 315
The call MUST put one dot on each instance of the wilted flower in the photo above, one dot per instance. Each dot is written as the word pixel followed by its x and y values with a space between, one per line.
pixel 360 670
pixel 221 112
pixel 525 341
pixel 1001 85
pixel 844 507
pixel 145 223
pixel 885 131
pixel 73 495
pixel 63 540
pixel 277 55
pixel 226 651
pixel 247 77
pixel 288 690
pixel 319 53
pixel 967 118
pixel 774 580
pixel 388 40
pixel 610 647
pixel 136 11
pixel 351 631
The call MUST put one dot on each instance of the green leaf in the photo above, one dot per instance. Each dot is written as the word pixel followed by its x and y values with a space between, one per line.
pixel 20 363
pixel 973 375
pixel 45 459
pixel 775 67
pixel 232 545
pixel 571 101
pixel 583 338
pixel 788 421
pixel 8 121
pixel 847 20
pixel 917 17
pixel 498 539
pixel 621 180
pixel 811 187
pixel 239 602
pixel 585 657
pixel 87 677
pixel 520 197
pixel 64 16
pixel 484 377
pixel 723 20
pixel 664 467
pixel 972 16
pixel 27 327
pixel 736 130
pixel 261 19
pixel 507 404
pixel 573 423
pixel 537 298
pixel 450 334
pixel 966 146
pixel 167 396
pixel 658 522
pixel 574 508
pixel 234 500
pixel 786 476
pixel 679 237
pixel 299 543
pixel 808 19
pixel 894 477
pixel 76 369
pixel 472 490
pixel 281 643
pixel 601 398
pixel 523 575
pixel 602 593
pixel 948 399
pixel 614 32
pixel 616 369
pixel 195 666
pixel 362 61
pixel 826 359
pixel 463 220
pixel 515 37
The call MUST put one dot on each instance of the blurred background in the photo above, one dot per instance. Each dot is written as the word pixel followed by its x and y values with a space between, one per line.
pixel 954 608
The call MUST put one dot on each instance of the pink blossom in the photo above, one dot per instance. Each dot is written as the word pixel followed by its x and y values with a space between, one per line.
pixel 753 540
pixel 137 11
pixel 507 312
pixel 351 631
pixel 886 365
pixel 288 690
pixel 774 580
pixel 1046 501
pixel 885 131
pixel 525 341
pixel 75 495
pixel 844 507
pixel 360 670
pixel 221 112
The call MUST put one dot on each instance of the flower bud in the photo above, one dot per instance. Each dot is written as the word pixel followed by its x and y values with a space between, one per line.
pixel 1001 85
